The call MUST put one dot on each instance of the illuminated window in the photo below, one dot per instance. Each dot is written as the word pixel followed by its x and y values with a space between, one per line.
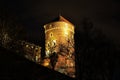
pixel 36 48
pixel 27 45
pixel 50 26
pixel 32 47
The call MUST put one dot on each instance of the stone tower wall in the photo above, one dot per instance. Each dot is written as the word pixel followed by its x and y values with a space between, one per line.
pixel 59 40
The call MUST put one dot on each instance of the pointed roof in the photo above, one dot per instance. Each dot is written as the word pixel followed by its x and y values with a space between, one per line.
pixel 61 18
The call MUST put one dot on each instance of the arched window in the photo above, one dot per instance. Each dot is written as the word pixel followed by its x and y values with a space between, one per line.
pixel 51 34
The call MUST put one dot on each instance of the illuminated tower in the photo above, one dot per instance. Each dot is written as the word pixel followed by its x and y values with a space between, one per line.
pixel 59 46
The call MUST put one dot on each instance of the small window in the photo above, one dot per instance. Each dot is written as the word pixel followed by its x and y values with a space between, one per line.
pixel 51 34
pixel 32 46
pixel 27 45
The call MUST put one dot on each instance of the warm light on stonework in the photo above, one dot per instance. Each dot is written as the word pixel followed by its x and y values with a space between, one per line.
pixel 65 31
pixel 59 45
pixel 46 62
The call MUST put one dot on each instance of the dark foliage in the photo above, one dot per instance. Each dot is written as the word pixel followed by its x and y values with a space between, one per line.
pixel 10 30
pixel 96 55
pixel 15 67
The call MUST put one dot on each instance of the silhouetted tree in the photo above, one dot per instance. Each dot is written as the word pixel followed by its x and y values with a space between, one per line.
pixel 53 59
pixel 95 53
pixel 9 30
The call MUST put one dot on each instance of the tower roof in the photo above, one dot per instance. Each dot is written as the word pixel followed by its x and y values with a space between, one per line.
pixel 61 18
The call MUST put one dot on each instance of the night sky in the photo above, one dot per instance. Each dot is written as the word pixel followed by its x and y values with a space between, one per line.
pixel 33 14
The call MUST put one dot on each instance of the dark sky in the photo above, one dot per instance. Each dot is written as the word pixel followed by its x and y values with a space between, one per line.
pixel 33 14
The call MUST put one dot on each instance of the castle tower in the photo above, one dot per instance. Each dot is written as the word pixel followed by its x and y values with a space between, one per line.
pixel 59 46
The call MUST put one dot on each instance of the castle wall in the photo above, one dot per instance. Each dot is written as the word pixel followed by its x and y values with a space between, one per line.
pixel 59 44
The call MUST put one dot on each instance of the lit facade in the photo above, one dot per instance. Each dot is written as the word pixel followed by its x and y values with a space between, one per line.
pixel 26 49
pixel 59 46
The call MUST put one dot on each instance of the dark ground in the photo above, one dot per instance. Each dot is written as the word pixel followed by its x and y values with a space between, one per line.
pixel 14 67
